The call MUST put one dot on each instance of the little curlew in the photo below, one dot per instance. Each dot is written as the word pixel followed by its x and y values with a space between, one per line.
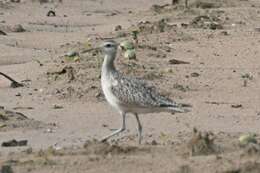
pixel 131 95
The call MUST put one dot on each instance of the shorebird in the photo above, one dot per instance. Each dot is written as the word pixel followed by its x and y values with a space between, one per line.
pixel 131 95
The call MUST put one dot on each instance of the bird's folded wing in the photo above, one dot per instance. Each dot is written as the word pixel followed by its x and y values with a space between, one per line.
pixel 136 92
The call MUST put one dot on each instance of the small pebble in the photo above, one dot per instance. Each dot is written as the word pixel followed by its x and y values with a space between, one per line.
pixel 118 28
pixel 57 107
pixel 18 95
pixel 194 74
pixel 18 28
pixel 72 53
pixel 236 106
pixel 154 142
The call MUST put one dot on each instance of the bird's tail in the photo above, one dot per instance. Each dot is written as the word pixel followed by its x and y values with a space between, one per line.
pixel 178 108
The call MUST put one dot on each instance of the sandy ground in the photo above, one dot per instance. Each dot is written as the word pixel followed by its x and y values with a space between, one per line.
pixel 221 81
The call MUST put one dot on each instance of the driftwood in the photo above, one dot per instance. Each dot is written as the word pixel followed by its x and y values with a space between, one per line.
pixel 14 83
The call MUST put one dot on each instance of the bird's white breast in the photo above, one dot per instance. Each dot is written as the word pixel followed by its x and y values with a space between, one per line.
pixel 107 82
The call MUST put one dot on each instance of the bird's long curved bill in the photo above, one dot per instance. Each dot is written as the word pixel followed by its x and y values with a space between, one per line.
pixel 88 50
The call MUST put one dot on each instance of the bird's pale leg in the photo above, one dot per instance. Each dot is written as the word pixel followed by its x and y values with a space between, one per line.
pixel 139 128
pixel 117 131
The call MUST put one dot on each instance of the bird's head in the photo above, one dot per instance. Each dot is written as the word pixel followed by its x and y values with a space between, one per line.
pixel 109 47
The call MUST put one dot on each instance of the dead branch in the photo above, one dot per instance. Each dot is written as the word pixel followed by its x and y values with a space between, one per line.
pixel 14 83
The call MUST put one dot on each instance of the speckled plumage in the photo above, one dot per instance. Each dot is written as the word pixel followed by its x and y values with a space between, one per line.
pixel 130 95
pixel 136 93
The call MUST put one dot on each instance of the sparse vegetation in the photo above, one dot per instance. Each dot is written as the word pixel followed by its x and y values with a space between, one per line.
pixel 201 52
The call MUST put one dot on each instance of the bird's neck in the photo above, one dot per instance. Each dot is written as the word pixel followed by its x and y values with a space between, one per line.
pixel 108 63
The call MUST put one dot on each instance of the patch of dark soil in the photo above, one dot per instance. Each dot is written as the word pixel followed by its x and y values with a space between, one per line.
pixel 247 167
pixel 67 70
pixel 205 4
pixel 208 4
pixel 152 75
pixel 181 87
pixel 14 143
pixel 104 148
pixel 160 8
pixel 176 61
pixel 13 120
pixel 206 22
pixel 155 27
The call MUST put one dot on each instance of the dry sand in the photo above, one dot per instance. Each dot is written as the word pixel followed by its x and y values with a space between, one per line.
pixel 64 106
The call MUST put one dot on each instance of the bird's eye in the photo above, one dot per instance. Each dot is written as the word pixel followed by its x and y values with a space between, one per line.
pixel 108 45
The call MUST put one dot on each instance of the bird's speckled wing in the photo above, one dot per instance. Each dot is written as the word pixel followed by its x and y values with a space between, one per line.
pixel 136 92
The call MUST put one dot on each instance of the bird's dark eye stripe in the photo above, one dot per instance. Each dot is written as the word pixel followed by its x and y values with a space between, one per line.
pixel 108 45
